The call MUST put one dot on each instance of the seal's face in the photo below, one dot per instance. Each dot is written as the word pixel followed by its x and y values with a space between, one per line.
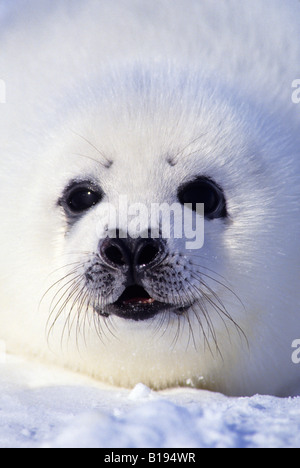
pixel 146 285
pixel 139 274
pixel 123 267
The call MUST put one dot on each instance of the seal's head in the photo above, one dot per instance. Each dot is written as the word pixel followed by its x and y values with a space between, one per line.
pixel 134 282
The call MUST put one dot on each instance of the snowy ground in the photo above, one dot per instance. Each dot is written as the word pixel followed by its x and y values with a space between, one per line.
pixel 41 406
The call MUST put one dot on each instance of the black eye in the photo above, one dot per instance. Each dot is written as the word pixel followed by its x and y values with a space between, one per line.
pixel 82 200
pixel 80 197
pixel 204 190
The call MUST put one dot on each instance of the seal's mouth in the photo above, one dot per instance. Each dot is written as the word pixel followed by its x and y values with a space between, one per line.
pixel 135 295
pixel 136 304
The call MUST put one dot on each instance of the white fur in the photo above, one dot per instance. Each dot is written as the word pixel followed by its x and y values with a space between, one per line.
pixel 142 80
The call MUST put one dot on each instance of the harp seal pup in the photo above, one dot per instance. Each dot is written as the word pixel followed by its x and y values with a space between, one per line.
pixel 171 102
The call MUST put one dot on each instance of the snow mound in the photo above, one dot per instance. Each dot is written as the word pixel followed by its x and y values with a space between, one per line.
pixel 42 406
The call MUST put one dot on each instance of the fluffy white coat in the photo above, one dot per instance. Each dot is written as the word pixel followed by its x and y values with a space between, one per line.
pixel 137 81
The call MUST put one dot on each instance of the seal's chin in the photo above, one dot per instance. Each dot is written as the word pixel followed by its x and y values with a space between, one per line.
pixel 136 304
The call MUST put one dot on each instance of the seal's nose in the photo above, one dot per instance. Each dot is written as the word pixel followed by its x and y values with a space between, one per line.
pixel 132 253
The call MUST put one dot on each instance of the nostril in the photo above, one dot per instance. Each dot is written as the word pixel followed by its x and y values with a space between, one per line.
pixel 146 253
pixel 115 252
pixel 115 255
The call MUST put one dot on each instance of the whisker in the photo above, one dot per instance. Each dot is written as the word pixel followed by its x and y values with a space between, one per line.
pixel 204 313
pixel 78 302
pixel 175 158
pixel 202 307
pixel 108 162
pixel 56 283
pixel 69 286
pixel 73 292
pixel 221 283
pixel 218 305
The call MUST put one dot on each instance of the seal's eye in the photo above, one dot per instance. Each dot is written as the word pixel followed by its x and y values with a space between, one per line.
pixel 82 200
pixel 204 190
pixel 80 197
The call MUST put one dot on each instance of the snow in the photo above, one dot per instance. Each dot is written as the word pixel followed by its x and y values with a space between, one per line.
pixel 46 407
